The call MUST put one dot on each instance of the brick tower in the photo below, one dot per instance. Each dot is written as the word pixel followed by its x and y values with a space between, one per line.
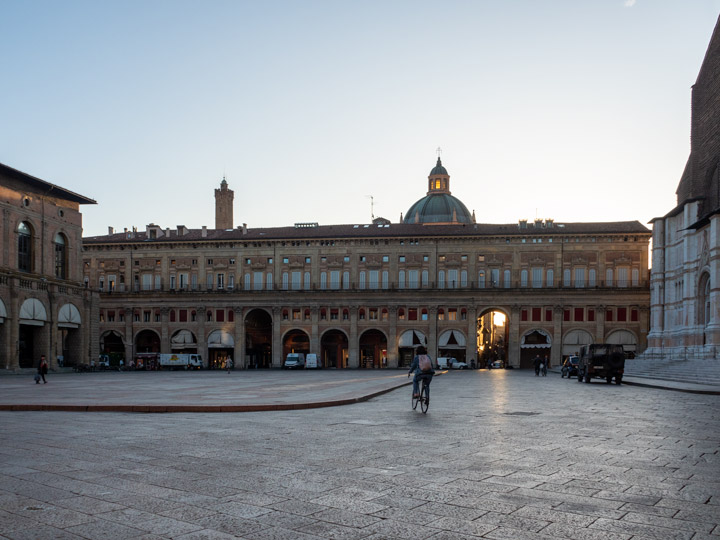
pixel 224 206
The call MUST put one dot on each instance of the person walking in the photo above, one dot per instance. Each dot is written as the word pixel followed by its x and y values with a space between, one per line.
pixel 42 369
pixel 536 364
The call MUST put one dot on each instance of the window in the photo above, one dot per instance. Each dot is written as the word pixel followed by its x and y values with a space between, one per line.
pixel 452 314
pixel 172 282
pixel 307 260
pixel 296 314
pixel 481 279
pixel 401 279
pixel 247 282
pixel 441 315
pixel 101 285
pixel 622 277
pixel 385 279
pixel 158 282
pixel 323 280
pixel 183 281
pixel 425 278
pixel 523 278
pixel 183 315
pixel 231 281
pixel 60 257
pixel 346 279
pixel 269 281
pixel 335 279
pixel 413 279
pixel 146 316
pixel 374 279
pixel 220 281
pixel 608 277
pixel 285 281
pixel 537 278
pixel 566 315
pixel 220 315
pixel 452 279
pixel 609 315
pixel 579 314
pixel 550 278
pixel 258 281
pixel 622 314
pixel 24 247
pixel 286 260
pixel 209 281
pixel 401 314
pixel 306 281
pixel 401 258
pixel 463 278
pixel 361 314
pixel 296 280
pixel 592 278
pixel 566 277
pixel 373 314
pixel 580 277
pixel 441 279
pixel 523 315
pixel 194 282
pixel 384 314
pixel 385 258
pixel 536 313
pixel 146 282
pixel 111 283
pixel 635 277
pixel 548 315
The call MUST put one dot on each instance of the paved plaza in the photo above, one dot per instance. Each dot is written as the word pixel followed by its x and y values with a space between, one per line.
pixel 499 455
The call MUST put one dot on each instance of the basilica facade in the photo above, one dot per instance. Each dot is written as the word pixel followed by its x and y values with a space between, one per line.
pixel 685 280
pixel 366 295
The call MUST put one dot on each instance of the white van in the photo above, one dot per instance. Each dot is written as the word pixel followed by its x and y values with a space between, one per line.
pixel 449 362
pixel 294 361
pixel 311 361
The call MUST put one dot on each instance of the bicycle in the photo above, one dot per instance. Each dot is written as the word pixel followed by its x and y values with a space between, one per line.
pixel 424 398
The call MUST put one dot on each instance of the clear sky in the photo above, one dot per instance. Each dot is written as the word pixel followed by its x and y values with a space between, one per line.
pixel 576 110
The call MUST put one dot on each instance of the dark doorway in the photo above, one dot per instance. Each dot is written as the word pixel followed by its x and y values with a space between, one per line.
pixel 258 339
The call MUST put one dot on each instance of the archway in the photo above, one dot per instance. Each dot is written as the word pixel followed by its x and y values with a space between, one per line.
pixel 533 343
pixel 451 343
pixel 573 340
pixel 111 343
pixel 373 349
pixel 334 349
pixel 147 348
pixel 295 341
pixel 409 341
pixel 221 348
pixel 183 341
pixel 625 338
pixel 492 337
pixel 32 331
pixel 258 339
pixel 69 322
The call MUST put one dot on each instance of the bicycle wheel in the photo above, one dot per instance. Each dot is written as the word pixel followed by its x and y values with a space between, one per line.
pixel 425 397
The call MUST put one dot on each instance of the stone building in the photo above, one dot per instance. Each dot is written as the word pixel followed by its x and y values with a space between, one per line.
pixel 44 305
pixel 366 295
pixel 685 279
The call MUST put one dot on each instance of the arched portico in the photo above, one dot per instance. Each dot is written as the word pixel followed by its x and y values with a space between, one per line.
pixel 258 339
pixel 373 349
pixel 221 349
pixel 34 334
pixel 625 338
pixel 295 341
pixel 409 341
pixel 334 349
pixel 534 342
pixel 573 340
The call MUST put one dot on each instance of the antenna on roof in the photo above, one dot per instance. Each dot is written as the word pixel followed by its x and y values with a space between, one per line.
pixel 372 206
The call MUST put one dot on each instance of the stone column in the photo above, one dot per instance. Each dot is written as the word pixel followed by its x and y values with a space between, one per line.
pixel 354 345
pixel 129 338
pixel 600 324
pixel 315 331
pixel 277 359
pixel 239 337
pixel 392 349
pixel 432 336
pixel 13 320
pixel 471 345
pixel 556 351
pixel 202 348
pixel 513 357
pixel 165 346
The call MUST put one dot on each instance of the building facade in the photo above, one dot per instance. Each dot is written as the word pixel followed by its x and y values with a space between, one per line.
pixel 366 295
pixel 685 280
pixel 45 307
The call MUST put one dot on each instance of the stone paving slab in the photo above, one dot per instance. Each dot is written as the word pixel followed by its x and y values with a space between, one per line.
pixel 499 455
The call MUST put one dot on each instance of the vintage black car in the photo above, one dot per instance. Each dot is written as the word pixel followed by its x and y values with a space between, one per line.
pixel 601 360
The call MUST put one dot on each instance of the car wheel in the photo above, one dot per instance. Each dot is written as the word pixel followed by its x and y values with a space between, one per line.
pixel 579 376
pixel 587 378
pixel 618 379
pixel 608 379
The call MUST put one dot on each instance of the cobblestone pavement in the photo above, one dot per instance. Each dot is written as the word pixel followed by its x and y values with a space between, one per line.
pixel 500 455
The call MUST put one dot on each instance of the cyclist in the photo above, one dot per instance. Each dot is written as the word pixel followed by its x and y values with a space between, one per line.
pixel 421 360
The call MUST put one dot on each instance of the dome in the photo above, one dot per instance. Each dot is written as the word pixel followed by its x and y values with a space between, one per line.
pixel 438 208
pixel 438 169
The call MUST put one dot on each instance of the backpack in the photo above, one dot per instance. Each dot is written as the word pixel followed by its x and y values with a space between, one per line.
pixel 424 363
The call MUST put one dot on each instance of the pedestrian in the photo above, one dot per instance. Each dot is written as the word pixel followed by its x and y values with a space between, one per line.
pixel 42 369
pixel 536 364
pixel 228 364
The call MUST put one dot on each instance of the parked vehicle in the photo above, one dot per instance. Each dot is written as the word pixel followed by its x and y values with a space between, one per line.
pixel 448 362
pixel 605 361
pixel 311 361
pixel 103 361
pixel 497 364
pixel 180 361
pixel 294 361
pixel 570 366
